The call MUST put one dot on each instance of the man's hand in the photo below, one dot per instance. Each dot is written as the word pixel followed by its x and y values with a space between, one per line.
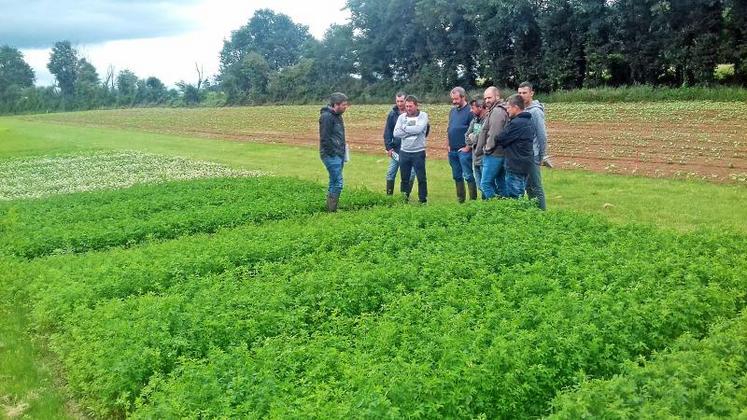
pixel 546 162
pixel 465 149
pixel 389 152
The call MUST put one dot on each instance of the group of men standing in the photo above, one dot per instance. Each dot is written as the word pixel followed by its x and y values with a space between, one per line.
pixel 493 145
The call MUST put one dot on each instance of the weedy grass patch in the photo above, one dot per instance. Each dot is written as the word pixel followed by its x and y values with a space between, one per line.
pixel 486 309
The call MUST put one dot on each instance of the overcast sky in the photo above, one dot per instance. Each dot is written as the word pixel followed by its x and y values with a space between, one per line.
pixel 162 38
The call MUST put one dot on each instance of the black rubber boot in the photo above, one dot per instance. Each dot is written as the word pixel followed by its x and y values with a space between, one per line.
pixel 332 203
pixel 461 194
pixel 472 190
pixel 389 187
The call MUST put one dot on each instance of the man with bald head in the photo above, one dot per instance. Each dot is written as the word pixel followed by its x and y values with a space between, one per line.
pixel 492 183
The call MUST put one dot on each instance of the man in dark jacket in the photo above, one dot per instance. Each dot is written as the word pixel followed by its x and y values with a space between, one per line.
pixel 332 147
pixel 392 144
pixel 517 139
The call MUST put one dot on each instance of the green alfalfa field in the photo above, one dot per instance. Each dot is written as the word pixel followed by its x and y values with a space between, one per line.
pixel 162 263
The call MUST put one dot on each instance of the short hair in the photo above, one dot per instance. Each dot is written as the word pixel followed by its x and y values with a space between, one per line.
pixel 526 85
pixel 478 103
pixel 460 91
pixel 400 94
pixel 516 100
pixel 412 98
pixel 337 98
pixel 494 90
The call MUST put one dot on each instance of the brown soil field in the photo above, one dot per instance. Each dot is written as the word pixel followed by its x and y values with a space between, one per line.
pixel 684 140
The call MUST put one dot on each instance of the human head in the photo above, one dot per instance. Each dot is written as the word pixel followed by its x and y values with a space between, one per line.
pixel 526 90
pixel 514 105
pixel 411 105
pixel 491 96
pixel 399 100
pixel 338 101
pixel 458 96
pixel 477 107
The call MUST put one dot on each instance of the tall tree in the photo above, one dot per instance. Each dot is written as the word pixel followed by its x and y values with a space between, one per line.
pixel 388 38
pixel 126 87
pixel 63 64
pixel 274 36
pixel 451 38
pixel 14 71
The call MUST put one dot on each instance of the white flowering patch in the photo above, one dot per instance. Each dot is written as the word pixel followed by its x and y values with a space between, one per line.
pixel 45 176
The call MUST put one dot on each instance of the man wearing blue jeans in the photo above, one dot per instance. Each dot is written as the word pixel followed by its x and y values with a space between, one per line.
pixel 332 147
pixel 392 144
pixel 534 180
pixel 460 155
pixel 516 140
pixel 412 128
pixel 493 176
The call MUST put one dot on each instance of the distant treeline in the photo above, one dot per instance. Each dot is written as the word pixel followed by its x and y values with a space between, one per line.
pixel 427 47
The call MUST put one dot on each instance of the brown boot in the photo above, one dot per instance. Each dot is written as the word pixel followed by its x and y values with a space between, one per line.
pixel 332 203
pixel 461 194
pixel 472 190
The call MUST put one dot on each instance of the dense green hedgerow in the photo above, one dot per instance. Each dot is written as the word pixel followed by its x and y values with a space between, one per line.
pixel 99 220
pixel 488 309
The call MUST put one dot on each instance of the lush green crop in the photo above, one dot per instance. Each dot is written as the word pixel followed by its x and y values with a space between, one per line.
pixel 488 309
pixel 694 379
pixel 99 220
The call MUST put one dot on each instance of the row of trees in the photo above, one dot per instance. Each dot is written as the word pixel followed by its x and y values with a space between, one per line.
pixel 432 45
pixel 426 46
pixel 79 85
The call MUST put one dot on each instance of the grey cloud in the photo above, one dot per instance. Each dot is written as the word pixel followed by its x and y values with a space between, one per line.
pixel 41 23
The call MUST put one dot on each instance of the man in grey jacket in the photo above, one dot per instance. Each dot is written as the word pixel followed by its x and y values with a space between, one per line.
pixel 412 127
pixel 493 172
pixel 534 179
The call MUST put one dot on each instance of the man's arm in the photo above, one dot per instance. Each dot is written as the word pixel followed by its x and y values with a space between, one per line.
pixel 398 127
pixel 469 138
pixel 541 132
pixel 497 123
pixel 420 126
pixel 388 132
pixel 325 127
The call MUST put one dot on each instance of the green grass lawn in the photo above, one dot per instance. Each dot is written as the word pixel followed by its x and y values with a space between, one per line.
pixel 680 205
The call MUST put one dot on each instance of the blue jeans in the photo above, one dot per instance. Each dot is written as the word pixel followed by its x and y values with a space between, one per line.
pixel 334 166
pixel 515 184
pixel 391 171
pixel 407 163
pixel 478 176
pixel 534 186
pixel 461 165
pixel 493 180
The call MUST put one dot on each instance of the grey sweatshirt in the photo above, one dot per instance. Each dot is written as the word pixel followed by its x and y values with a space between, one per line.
pixel 412 132
pixel 540 140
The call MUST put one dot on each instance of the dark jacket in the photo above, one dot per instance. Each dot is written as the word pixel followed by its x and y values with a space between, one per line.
pixel 391 142
pixel 331 133
pixel 517 139
pixel 459 119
